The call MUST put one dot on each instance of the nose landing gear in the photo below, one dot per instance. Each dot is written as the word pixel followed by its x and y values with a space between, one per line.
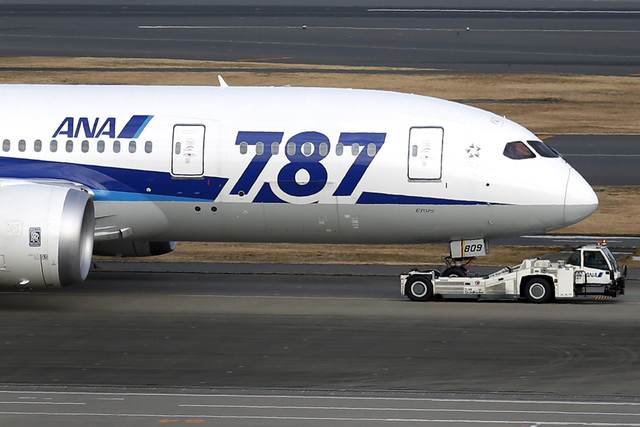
pixel 456 271
pixel 462 255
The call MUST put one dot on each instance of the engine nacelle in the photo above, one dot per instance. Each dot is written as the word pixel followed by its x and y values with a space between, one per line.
pixel 46 234
pixel 133 248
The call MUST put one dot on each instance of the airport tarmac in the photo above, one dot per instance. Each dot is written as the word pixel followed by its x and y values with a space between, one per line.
pixel 81 407
pixel 582 37
pixel 601 159
pixel 215 338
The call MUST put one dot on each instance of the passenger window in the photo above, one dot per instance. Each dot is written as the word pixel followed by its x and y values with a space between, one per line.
pixel 100 146
pixel 339 149
pixel 69 146
pixel 6 145
pixel 355 149
pixel 53 146
pixel 323 150
pixel 518 150
pixel 259 148
pixel 307 149
pixel 116 146
pixel 371 150
pixel 37 145
pixel 148 147
pixel 275 148
pixel 22 145
pixel 85 146
pixel 291 148
pixel 132 147
pixel 543 149
pixel 243 147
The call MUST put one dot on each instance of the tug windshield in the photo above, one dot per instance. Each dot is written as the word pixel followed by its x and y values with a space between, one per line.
pixel 611 258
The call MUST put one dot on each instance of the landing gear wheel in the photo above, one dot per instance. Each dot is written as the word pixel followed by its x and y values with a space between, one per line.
pixel 538 290
pixel 419 288
pixel 455 271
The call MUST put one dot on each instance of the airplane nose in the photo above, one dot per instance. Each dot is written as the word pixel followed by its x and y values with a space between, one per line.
pixel 580 200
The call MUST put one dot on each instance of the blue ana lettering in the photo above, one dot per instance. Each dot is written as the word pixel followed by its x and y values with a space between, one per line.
pixel 81 128
pixel 108 128
pixel 65 128
pixel 88 132
pixel 84 127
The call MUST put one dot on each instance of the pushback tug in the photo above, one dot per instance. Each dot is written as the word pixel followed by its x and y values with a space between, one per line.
pixel 589 270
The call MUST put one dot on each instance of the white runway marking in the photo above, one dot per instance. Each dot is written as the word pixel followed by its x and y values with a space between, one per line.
pixel 313 408
pixel 510 11
pixel 323 397
pixel 324 419
pixel 340 28
pixel 42 403
pixel 390 409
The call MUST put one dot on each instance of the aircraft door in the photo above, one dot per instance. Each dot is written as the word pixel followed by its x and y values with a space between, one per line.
pixel 187 159
pixel 425 153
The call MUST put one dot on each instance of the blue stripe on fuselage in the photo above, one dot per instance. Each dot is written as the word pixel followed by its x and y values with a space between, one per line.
pixel 367 198
pixel 116 183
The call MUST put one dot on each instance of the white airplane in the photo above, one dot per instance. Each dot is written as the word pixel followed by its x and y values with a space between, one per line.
pixel 130 170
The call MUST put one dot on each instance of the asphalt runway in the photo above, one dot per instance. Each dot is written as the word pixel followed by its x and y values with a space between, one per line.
pixel 601 159
pixel 585 37
pixel 211 339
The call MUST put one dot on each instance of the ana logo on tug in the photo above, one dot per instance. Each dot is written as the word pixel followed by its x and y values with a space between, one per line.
pixel 101 128
pixel 595 274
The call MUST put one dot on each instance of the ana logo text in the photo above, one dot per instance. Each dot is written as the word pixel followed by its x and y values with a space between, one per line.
pixel 85 127
pixel 595 274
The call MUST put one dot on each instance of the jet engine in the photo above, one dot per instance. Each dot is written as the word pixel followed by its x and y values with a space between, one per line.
pixel 46 233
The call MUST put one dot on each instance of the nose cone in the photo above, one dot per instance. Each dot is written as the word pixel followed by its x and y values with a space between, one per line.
pixel 580 200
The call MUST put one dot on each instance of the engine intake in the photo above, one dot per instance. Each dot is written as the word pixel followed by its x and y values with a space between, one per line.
pixel 47 234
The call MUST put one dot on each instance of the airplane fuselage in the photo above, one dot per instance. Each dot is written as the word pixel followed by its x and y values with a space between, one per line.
pixel 287 164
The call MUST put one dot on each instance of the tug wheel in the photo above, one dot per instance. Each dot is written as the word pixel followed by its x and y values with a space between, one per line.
pixel 538 290
pixel 419 288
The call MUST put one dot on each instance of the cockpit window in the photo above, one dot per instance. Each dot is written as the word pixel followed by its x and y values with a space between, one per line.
pixel 543 149
pixel 517 150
